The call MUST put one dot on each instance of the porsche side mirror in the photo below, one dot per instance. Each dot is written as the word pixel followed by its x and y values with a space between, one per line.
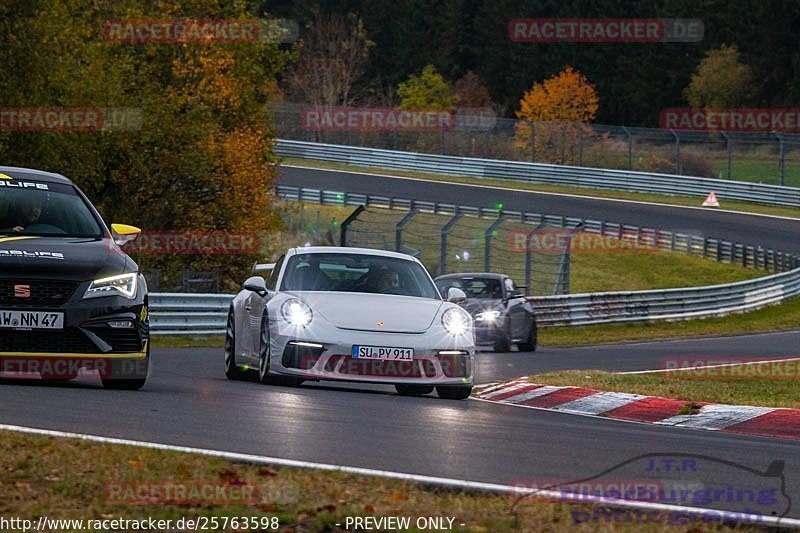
pixel 456 295
pixel 256 284
pixel 124 233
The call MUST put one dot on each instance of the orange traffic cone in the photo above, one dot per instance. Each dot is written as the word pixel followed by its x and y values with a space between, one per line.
pixel 711 200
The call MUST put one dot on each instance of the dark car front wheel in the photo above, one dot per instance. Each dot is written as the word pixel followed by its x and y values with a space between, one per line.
pixel 126 374
pixel 530 344
pixel 232 370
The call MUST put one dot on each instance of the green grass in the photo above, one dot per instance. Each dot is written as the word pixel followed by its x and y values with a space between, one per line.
pixel 759 170
pixel 785 316
pixel 692 201
pixel 71 478
pixel 607 267
pixel 186 341
pixel 764 384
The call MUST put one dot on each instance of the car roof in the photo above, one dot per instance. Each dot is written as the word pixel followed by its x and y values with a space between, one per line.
pixel 32 174
pixel 351 250
pixel 492 275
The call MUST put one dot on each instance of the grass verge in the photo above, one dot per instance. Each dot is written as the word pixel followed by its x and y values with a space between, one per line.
pixel 762 384
pixel 691 201
pixel 785 316
pixel 186 341
pixel 70 478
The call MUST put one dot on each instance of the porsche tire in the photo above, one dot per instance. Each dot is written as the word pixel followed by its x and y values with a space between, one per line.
pixel 232 370
pixel 127 374
pixel 454 392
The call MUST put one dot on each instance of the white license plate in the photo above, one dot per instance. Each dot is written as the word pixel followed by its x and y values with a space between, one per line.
pixel 383 352
pixel 31 320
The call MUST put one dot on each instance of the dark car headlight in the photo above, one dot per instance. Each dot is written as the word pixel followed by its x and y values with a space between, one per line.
pixel 124 285
pixel 488 316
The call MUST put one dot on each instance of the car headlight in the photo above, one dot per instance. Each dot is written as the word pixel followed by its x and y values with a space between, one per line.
pixel 296 312
pixel 456 321
pixel 488 316
pixel 123 285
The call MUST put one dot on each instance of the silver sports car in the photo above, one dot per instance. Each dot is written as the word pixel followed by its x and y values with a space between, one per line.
pixel 328 313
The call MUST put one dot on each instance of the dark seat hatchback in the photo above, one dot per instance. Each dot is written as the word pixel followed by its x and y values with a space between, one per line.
pixel 71 300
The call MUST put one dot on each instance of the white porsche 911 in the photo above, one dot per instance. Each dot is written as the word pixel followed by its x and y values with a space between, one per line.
pixel 329 313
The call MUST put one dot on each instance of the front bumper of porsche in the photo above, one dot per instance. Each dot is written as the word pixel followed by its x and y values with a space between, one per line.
pixel 439 358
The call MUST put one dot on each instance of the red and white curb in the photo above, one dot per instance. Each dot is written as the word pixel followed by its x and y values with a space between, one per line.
pixel 762 421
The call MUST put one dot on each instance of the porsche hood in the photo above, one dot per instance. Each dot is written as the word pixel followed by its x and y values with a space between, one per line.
pixel 373 312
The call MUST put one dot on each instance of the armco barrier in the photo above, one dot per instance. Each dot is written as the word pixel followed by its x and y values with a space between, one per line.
pixel 199 314
pixel 597 178
pixel 188 314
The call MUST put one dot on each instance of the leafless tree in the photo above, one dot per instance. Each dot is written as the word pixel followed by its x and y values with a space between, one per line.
pixel 332 58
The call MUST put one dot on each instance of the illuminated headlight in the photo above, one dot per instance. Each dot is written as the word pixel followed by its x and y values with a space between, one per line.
pixel 122 285
pixel 456 321
pixel 296 312
pixel 488 316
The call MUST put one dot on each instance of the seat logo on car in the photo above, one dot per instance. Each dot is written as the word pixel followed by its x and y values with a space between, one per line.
pixel 379 324
pixel 22 291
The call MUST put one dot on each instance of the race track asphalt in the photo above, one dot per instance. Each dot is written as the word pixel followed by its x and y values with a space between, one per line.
pixel 188 402
pixel 776 233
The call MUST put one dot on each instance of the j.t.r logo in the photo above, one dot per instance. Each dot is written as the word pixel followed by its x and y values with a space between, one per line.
pixel 22 291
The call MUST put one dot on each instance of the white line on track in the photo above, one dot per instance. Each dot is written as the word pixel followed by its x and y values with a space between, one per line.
pixel 415 478
pixel 567 195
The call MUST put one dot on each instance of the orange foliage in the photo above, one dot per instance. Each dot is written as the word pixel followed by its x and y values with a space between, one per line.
pixel 559 106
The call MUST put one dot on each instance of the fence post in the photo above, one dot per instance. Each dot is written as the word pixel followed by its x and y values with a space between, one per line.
pixel 445 230
pixel 729 148
pixel 630 147
pixel 528 259
pixel 487 240
pixel 346 223
pixel 441 139
pixel 398 230
pixel 394 136
pixel 677 152
pixel 580 147
pixel 782 161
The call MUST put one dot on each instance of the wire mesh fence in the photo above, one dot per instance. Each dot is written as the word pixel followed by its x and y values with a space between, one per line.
pixel 448 244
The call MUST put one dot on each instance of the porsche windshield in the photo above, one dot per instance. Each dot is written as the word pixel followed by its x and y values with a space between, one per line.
pixel 357 273
pixel 45 209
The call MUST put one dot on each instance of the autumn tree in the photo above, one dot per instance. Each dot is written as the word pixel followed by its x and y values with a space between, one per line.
pixel 470 92
pixel 201 157
pixel 427 91
pixel 721 80
pixel 333 56
pixel 553 116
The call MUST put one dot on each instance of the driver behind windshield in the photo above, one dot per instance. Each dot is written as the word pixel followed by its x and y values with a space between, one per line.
pixel 25 212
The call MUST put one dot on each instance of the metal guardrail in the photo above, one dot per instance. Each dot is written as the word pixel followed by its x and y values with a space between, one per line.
pixel 188 314
pixel 203 314
pixel 598 178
